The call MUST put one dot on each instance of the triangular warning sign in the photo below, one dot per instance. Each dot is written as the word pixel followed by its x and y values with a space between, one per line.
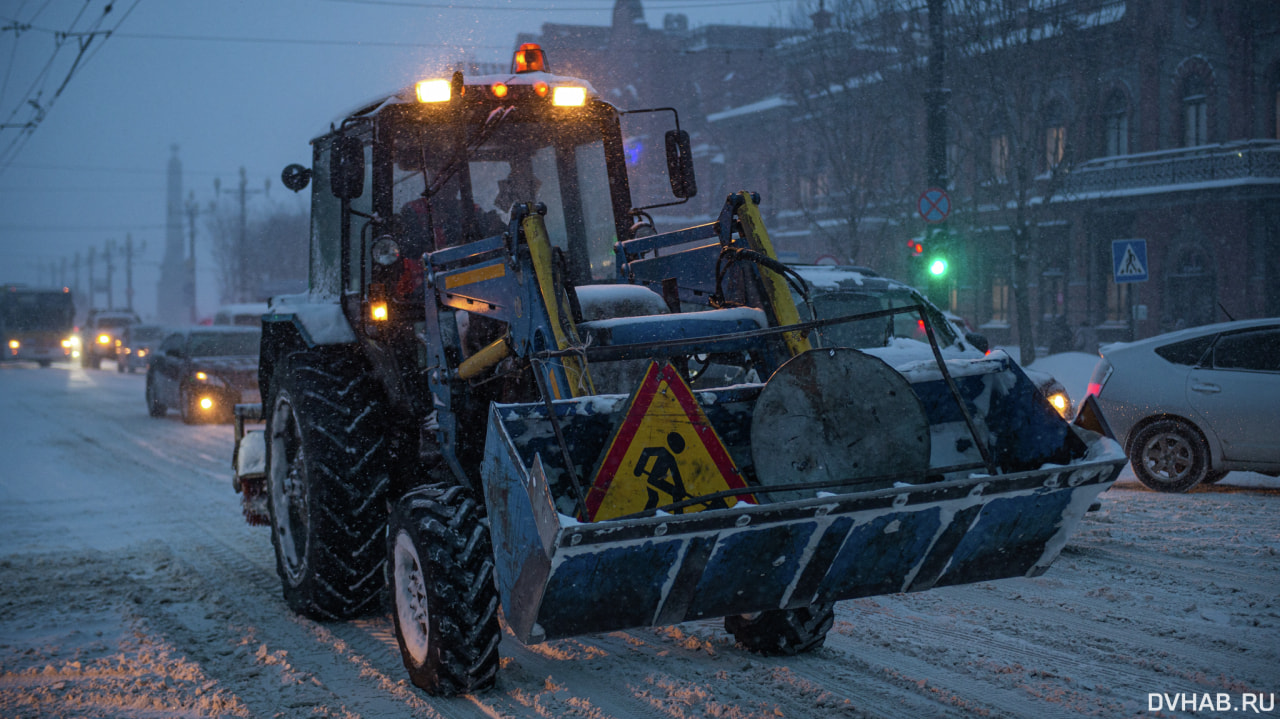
pixel 1130 265
pixel 664 451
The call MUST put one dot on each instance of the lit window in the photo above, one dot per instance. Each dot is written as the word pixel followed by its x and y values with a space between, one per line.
pixel 1055 140
pixel 1000 157
pixel 1117 303
pixel 999 299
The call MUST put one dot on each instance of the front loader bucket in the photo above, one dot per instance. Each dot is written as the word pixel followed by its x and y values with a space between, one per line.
pixel 560 577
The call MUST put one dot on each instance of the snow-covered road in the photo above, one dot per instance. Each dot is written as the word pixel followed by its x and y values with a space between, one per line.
pixel 131 587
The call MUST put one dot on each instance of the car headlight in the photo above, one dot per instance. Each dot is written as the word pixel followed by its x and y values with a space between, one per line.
pixel 1060 402
pixel 104 339
pixel 14 344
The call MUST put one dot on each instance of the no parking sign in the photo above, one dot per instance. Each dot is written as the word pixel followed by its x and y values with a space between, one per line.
pixel 934 205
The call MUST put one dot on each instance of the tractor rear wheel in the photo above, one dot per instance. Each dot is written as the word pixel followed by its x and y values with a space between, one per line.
pixel 446 605
pixel 327 480
pixel 783 632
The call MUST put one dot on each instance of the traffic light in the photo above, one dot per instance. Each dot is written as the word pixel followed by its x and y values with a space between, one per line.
pixel 931 263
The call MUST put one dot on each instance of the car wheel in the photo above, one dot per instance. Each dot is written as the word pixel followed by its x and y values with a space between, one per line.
pixel 155 407
pixel 1169 456
pixel 1214 477
pixel 187 405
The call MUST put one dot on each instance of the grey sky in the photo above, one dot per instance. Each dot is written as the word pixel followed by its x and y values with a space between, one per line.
pixel 232 83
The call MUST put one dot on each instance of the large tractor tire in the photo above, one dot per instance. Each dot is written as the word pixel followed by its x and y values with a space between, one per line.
pixel 783 632
pixel 446 604
pixel 327 480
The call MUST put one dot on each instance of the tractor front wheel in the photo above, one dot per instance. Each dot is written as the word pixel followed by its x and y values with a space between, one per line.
pixel 446 606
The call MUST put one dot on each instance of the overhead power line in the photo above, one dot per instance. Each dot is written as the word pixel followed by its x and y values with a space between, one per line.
pixel 602 6
pixel 87 42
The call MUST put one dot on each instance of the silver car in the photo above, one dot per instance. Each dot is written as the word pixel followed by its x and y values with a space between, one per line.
pixel 1190 406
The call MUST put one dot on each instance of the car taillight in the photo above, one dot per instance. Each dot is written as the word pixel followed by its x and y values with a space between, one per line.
pixel 1101 373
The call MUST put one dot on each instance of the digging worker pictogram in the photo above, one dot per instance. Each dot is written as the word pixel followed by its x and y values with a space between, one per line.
pixel 664 475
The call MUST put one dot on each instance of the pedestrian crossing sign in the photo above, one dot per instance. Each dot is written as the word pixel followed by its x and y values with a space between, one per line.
pixel 1129 260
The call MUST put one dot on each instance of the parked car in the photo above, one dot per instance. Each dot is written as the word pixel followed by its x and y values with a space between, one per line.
pixel 838 290
pixel 204 372
pixel 136 344
pixel 244 314
pixel 101 332
pixel 1190 406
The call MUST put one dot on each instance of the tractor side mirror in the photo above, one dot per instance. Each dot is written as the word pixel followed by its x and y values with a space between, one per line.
pixel 296 177
pixel 346 168
pixel 978 341
pixel 680 165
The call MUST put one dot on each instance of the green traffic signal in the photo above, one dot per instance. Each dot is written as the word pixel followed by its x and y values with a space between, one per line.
pixel 938 267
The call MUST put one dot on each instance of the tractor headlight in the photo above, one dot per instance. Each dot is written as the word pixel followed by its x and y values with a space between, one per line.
pixel 569 96
pixel 434 91
pixel 385 251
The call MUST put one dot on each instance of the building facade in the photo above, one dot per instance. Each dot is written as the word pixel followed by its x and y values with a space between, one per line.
pixel 1070 125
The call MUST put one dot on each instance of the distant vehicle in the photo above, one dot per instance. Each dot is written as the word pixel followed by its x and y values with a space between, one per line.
pixel 247 314
pixel 137 343
pixel 36 324
pixel 204 372
pixel 101 334
pixel 1190 406
pixel 836 290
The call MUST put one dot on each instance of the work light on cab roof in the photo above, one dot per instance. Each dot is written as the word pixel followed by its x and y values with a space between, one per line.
pixel 527 60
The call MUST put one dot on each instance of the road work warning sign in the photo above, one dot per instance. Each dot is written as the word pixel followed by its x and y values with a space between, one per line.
pixel 664 451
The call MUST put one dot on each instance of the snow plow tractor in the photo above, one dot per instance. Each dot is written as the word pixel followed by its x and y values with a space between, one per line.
pixel 507 398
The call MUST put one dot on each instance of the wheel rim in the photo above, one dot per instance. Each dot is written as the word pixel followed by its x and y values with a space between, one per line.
pixel 411 599
pixel 291 519
pixel 1168 456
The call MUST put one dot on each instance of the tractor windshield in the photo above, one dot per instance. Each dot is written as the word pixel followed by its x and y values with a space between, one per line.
pixel 560 163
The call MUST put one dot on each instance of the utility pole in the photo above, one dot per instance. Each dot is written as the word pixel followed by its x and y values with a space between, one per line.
pixel 128 269
pixel 189 290
pixel 240 282
pixel 111 269
pixel 92 289
pixel 936 98
pixel 75 264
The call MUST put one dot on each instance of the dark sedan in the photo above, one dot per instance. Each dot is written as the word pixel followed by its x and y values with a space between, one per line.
pixel 203 372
